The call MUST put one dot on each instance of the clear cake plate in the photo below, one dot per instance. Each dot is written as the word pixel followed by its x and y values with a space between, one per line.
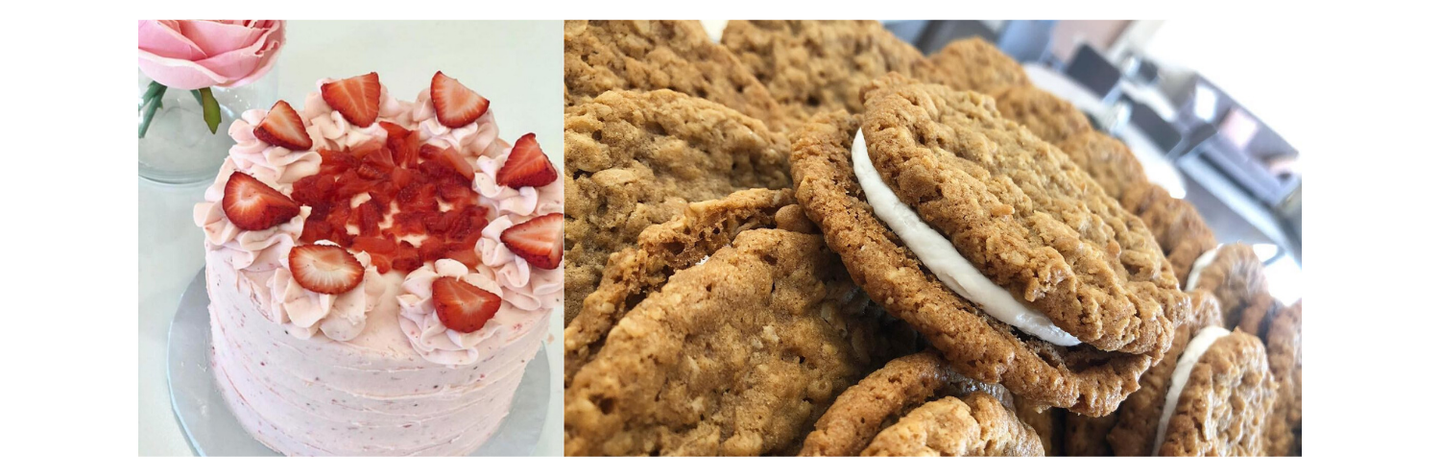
pixel 212 430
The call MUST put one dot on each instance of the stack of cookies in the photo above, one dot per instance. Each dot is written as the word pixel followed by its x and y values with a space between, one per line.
pixel 810 238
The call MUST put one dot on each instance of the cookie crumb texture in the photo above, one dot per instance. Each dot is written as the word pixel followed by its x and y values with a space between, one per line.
pixel 974 64
pixel 634 159
pixel 977 425
pixel 642 55
pixel 663 249
pixel 1222 410
pixel 736 356
pixel 817 66
pixel 1018 209
pixel 1079 378
pixel 1052 119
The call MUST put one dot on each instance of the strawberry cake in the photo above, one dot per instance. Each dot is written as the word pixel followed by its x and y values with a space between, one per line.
pixel 379 271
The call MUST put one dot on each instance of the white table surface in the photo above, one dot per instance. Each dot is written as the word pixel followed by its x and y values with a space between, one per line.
pixel 514 64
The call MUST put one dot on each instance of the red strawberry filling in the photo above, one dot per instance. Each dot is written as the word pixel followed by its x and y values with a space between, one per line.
pixel 421 205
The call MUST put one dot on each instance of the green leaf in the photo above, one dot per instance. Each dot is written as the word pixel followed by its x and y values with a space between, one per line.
pixel 198 99
pixel 212 109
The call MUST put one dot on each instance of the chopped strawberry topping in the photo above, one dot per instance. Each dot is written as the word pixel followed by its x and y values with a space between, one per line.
pixel 538 241
pixel 450 157
pixel 325 269
pixel 455 104
pixel 282 127
pixel 461 306
pixel 357 98
pixel 252 205
pixel 527 166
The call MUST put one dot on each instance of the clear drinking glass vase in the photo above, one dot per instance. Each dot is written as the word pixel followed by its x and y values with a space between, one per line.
pixel 178 148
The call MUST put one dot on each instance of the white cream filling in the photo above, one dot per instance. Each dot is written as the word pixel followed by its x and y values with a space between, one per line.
pixel 1200 343
pixel 1199 266
pixel 940 256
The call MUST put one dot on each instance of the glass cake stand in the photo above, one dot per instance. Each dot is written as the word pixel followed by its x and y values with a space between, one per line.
pixel 212 430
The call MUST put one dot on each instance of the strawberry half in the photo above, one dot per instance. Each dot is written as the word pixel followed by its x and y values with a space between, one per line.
pixel 325 269
pixel 538 240
pixel 252 205
pixel 282 127
pixel 455 104
pixel 357 98
pixel 461 306
pixel 527 166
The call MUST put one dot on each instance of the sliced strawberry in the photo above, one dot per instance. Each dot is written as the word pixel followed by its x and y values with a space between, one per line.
pixel 527 166
pixel 450 157
pixel 252 205
pixel 538 241
pixel 461 306
pixel 357 98
pixel 325 269
pixel 455 104
pixel 282 127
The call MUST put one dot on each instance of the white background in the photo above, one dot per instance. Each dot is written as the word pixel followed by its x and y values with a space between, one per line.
pixel 515 65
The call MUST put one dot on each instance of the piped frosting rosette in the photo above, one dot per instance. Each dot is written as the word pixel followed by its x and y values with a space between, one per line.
pixel 339 316
pixel 439 344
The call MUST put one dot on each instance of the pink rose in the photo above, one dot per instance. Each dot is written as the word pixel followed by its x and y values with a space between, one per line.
pixel 195 54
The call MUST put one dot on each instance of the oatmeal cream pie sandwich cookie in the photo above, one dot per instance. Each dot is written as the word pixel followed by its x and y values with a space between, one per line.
pixel 1130 431
pixel 737 354
pixel 952 209
pixel 1221 393
pixel 919 405
pixel 634 159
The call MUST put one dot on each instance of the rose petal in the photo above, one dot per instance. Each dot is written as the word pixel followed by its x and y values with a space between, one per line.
pixel 246 65
pixel 218 38
pixel 161 39
pixel 178 73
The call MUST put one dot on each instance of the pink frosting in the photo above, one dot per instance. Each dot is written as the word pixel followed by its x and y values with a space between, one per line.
pixel 440 344
pixel 524 201
pixel 340 317
pixel 526 287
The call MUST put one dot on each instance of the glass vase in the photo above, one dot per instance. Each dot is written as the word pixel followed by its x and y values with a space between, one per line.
pixel 178 147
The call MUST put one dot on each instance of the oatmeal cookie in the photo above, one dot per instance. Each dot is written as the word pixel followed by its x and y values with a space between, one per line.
pixel 1178 227
pixel 661 250
pixel 973 64
pixel 1282 347
pixel 882 397
pixel 738 355
pixel 1053 119
pixel 1223 408
pixel 1109 162
pixel 1080 378
pixel 976 425
pixel 1024 215
pixel 642 55
pixel 634 159
pixel 1237 278
pixel 812 66
pixel 1138 419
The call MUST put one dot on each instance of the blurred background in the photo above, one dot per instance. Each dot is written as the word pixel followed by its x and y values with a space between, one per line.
pixel 1195 100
